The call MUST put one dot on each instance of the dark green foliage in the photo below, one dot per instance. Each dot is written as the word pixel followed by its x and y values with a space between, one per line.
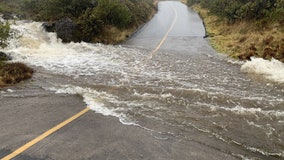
pixel 10 6
pixel 192 2
pixel 141 9
pixel 32 7
pixel 227 9
pixel 45 10
pixel 91 16
pixel 238 10
pixel 113 12
pixel 278 13
pixel 4 33
pixel 89 25
pixel 119 13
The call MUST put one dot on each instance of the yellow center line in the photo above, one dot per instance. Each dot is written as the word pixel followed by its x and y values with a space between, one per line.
pixel 64 123
pixel 153 52
pixel 45 134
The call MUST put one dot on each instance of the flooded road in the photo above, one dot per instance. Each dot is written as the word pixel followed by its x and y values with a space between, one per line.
pixel 184 91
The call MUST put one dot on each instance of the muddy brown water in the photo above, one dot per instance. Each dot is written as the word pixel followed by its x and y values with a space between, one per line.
pixel 185 91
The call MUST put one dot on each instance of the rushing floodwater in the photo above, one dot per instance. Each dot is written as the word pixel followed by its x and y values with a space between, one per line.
pixel 187 91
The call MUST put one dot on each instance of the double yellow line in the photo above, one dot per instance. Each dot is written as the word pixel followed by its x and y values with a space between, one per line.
pixel 67 121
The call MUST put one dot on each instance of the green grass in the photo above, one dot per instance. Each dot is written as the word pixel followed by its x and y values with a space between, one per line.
pixel 244 39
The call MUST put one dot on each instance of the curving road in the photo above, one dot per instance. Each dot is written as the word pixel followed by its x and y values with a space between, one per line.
pixel 163 94
pixel 173 22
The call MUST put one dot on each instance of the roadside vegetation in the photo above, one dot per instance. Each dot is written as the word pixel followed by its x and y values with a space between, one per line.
pixel 10 73
pixel 105 21
pixel 10 7
pixel 4 34
pixel 244 28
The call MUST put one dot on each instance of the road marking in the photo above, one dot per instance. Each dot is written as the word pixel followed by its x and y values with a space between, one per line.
pixel 45 134
pixel 153 52
pixel 64 123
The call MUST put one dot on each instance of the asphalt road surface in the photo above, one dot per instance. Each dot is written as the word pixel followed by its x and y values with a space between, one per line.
pixel 163 94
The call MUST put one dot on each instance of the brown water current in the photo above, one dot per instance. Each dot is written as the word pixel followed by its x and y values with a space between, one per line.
pixel 185 90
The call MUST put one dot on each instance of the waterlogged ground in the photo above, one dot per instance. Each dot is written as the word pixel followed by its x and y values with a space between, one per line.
pixel 186 90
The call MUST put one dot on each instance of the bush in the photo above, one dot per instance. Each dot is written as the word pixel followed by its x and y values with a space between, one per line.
pixel 192 2
pixel 228 10
pixel 113 12
pixel 91 16
pixel 278 12
pixel 239 10
pixel 89 25
pixel 46 10
pixel 140 10
pixel 4 33
pixel 12 73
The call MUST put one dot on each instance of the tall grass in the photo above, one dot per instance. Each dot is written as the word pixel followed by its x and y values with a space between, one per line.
pixel 259 38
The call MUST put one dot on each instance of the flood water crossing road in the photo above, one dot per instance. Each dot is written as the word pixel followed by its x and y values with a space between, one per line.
pixel 183 92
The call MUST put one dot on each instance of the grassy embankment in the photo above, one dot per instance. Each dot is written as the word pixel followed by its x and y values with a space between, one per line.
pixel 245 38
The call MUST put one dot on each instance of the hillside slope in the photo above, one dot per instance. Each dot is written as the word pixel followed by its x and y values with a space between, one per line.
pixel 245 37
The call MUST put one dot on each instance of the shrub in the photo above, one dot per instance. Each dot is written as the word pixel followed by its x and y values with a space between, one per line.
pixel 89 25
pixel 192 2
pixel 91 16
pixel 278 12
pixel 113 12
pixel 140 10
pixel 55 9
pixel 4 33
pixel 12 73
pixel 238 10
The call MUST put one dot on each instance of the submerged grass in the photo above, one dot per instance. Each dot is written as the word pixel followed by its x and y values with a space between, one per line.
pixel 244 39
pixel 11 73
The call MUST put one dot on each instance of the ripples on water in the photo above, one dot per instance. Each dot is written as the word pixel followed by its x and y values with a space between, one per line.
pixel 201 97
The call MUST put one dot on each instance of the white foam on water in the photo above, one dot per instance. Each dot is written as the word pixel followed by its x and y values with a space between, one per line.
pixel 245 111
pixel 263 152
pixel 10 90
pixel 37 47
pixel 94 100
pixel 252 111
pixel 272 70
pixel 34 46
pixel 236 62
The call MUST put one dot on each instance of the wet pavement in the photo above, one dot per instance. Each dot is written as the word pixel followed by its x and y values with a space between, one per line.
pixel 185 102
